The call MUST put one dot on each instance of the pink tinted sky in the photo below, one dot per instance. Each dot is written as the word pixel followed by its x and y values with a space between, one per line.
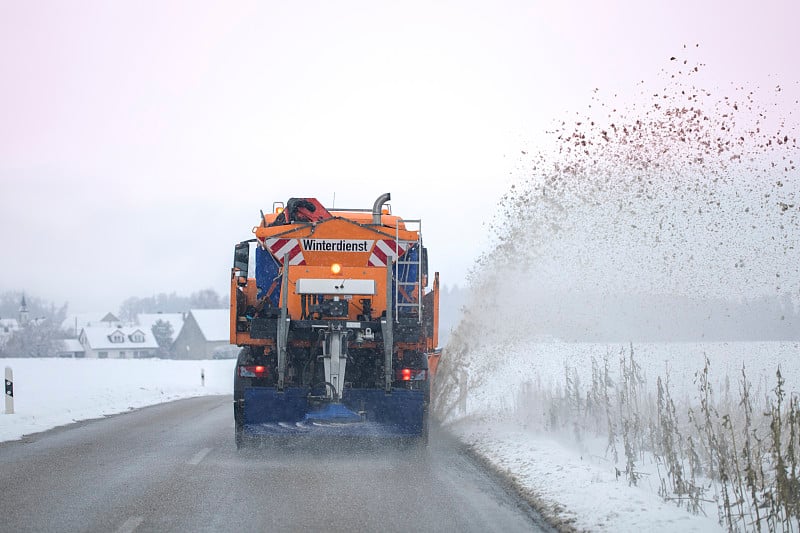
pixel 138 140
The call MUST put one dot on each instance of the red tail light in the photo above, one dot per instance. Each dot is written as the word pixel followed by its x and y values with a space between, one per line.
pixel 253 371
pixel 412 374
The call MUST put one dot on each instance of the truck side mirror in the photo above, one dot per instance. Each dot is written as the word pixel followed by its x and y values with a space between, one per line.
pixel 241 257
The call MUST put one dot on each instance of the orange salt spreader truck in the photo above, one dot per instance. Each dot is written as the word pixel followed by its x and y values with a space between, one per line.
pixel 336 322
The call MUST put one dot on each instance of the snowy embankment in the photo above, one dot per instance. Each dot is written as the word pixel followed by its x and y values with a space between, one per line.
pixel 54 392
pixel 582 430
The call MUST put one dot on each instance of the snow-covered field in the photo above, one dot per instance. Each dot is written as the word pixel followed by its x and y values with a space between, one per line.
pixel 569 472
pixel 513 407
pixel 502 370
pixel 53 392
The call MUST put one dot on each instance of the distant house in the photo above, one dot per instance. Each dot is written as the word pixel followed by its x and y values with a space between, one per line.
pixel 7 328
pixel 204 332
pixel 146 320
pixel 71 348
pixel 74 323
pixel 117 342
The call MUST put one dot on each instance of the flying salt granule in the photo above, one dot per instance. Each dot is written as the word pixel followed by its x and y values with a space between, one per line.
pixel 676 195
pixel 684 191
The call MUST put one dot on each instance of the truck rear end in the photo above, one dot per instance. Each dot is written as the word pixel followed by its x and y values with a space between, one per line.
pixel 336 323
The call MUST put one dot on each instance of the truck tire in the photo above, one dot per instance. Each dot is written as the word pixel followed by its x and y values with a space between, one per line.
pixel 421 442
pixel 239 437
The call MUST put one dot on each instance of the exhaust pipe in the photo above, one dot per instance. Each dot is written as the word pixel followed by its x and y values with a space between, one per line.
pixel 376 207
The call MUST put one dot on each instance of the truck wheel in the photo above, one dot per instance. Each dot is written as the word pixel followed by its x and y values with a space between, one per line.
pixel 421 442
pixel 423 437
pixel 239 437
pixel 238 432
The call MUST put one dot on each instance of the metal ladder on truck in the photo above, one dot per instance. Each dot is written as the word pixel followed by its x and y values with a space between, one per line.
pixel 410 290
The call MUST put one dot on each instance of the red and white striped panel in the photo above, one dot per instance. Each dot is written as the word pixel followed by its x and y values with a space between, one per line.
pixel 282 247
pixel 386 248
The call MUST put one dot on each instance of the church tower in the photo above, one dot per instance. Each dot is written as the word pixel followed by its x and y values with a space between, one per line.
pixel 23 311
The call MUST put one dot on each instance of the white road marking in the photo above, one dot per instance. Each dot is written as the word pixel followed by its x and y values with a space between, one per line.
pixel 130 525
pixel 199 456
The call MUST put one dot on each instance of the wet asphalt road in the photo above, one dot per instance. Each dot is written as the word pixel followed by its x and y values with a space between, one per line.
pixel 174 467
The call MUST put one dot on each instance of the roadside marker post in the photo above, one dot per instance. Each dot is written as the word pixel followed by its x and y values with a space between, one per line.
pixel 202 377
pixel 9 391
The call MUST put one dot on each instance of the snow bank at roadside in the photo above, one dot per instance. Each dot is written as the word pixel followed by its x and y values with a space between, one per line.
pixel 54 392
pixel 507 402
pixel 576 491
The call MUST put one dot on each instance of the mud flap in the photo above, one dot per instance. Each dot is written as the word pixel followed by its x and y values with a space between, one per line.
pixel 362 412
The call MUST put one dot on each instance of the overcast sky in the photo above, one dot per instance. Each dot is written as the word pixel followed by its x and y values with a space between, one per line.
pixel 138 140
